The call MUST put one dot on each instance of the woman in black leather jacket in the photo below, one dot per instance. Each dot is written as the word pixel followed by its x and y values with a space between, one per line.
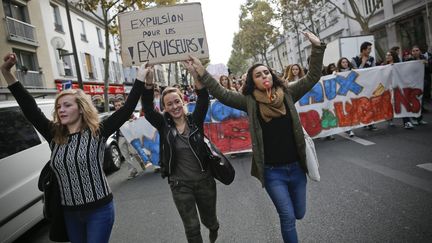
pixel 182 158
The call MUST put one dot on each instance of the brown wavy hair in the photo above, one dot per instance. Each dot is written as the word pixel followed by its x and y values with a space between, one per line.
pixel 291 75
pixel 90 117
pixel 229 81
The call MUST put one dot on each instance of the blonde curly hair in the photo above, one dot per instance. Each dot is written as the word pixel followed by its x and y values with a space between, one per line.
pixel 90 117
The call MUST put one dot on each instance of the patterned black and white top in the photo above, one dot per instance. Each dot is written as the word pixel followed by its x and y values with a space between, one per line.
pixel 78 163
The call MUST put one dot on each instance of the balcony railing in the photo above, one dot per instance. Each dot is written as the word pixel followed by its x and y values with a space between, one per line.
pixel 30 78
pixel 21 31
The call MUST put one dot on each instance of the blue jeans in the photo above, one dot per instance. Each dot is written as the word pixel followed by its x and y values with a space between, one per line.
pixel 88 226
pixel 286 186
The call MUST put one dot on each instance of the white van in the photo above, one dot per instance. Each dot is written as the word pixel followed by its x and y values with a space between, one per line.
pixel 23 153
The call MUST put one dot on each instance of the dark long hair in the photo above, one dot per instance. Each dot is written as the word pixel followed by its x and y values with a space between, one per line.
pixel 249 86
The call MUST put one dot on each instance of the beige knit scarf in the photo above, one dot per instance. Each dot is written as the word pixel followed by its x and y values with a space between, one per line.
pixel 270 107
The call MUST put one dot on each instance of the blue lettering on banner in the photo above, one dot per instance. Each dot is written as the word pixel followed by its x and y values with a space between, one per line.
pixel 315 94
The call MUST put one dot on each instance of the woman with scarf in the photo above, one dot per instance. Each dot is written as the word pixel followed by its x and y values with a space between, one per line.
pixel 278 145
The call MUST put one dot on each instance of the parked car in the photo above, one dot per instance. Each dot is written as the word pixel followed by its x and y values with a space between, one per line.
pixel 113 157
pixel 23 154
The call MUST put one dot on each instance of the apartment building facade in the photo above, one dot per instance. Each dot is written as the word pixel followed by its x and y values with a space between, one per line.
pixel 38 32
pixel 402 23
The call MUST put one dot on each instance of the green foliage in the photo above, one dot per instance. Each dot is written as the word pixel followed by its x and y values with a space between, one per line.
pixel 237 61
pixel 257 32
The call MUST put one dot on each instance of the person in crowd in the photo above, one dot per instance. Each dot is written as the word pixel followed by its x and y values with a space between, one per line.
pixel 278 145
pixel 286 72
pixel 182 158
pixel 391 58
pixel 398 52
pixel 295 73
pixel 77 141
pixel 343 65
pixel 365 60
pixel 417 55
pixel 331 69
pixel 226 82
pixel 128 152
pixel 157 99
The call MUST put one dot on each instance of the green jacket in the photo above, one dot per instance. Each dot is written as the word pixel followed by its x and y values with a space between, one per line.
pixel 293 93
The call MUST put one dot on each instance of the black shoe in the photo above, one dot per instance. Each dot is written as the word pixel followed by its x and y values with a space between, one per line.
pixel 213 235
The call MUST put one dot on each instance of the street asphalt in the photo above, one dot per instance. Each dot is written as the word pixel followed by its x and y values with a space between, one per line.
pixel 372 189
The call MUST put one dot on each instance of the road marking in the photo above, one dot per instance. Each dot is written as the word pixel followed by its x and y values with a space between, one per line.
pixel 357 139
pixel 394 174
pixel 427 166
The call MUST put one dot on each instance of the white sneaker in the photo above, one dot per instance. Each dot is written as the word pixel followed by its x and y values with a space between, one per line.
pixel 421 122
pixel 414 122
pixel 351 134
pixel 133 174
pixel 408 125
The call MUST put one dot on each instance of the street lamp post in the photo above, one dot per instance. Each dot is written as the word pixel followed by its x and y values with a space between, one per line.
pixel 74 50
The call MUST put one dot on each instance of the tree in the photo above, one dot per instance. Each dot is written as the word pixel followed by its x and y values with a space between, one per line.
pixel 257 32
pixel 299 15
pixel 107 12
pixel 237 61
pixel 362 19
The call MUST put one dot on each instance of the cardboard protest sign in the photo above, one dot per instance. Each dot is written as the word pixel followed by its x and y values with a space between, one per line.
pixel 163 34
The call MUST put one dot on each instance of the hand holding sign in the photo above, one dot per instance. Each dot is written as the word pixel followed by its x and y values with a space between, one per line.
pixel 193 64
pixel 143 73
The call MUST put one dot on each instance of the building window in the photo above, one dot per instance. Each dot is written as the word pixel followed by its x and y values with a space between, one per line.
pixel 371 4
pixel 57 19
pixel 15 11
pixel 26 61
pixel 83 33
pixel 67 62
pixel 100 39
pixel 89 66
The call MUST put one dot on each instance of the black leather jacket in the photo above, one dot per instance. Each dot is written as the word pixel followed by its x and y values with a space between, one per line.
pixel 167 130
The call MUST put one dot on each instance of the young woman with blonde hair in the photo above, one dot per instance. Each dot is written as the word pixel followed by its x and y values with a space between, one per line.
pixel 295 73
pixel 77 141
pixel 225 81
pixel 183 158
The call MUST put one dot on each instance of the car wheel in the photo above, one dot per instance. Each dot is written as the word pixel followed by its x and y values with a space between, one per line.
pixel 114 157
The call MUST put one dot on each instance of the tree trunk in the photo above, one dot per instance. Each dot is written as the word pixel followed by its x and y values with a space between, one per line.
pixel 176 73
pixel 298 46
pixel 106 63
pixel 279 59
pixel 265 58
pixel 169 74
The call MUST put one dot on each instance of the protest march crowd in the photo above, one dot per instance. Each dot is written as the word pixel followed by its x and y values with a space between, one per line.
pixel 279 158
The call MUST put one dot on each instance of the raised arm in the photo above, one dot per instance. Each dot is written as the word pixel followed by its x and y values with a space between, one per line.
pixel 116 120
pixel 227 97
pixel 25 100
pixel 154 117
pixel 303 85
pixel 203 101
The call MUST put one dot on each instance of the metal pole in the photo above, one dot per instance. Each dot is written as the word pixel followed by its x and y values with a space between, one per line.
pixel 74 50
